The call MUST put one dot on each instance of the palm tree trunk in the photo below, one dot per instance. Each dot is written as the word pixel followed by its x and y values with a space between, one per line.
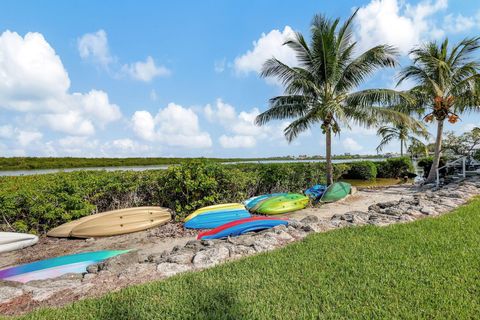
pixel 401 148
pixel 328 135
pixel 436 158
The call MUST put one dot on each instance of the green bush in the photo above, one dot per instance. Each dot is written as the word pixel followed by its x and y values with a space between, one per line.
pixel 395 167
pixel 38 203
pixel 426 163
pixel 476 155
pixel 365 170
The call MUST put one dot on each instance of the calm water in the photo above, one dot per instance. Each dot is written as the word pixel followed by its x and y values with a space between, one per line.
pixel 157 167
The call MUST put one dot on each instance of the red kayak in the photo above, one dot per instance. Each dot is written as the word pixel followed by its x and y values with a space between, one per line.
pixel 238 227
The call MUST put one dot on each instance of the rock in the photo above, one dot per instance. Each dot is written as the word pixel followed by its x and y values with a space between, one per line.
pixel 237 251
pixel 42 290
pixel 168 269
pixel 183 256
pixel 244 240
pixel 295 224
pixel 296 233
pixel 9 291
pixel 93 268
pixel 210 257
pixel 265 243
pixel 89 276
pixel 119 263
pixel 90 240
pixel 429 211
pixel 309 219
pixel 138 271
pixel 194 244
pixel 394 211
pixel 351 217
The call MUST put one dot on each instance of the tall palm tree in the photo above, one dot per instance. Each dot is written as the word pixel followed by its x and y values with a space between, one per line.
pixel 321 89
pixel 401 132
pixel 447 84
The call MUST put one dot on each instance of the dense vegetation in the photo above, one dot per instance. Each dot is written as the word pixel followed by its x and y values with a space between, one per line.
pixel 37 203
pixel 31 163
pixel 422 270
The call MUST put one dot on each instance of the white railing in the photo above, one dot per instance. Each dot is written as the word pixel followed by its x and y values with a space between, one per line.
pixel 449 164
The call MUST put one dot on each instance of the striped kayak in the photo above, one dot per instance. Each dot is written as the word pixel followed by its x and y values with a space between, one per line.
pixel 242 226
pixel 213 218
pixel 55 267
pixel 217 207
pixel 336 191
pixel 253 203
pixel 283 204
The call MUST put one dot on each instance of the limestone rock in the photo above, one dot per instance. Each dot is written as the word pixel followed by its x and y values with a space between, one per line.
pixel 168 269
pixel 9 291
pixel 183 256
pixel 309 219
pixel 119 263
pixel 210 257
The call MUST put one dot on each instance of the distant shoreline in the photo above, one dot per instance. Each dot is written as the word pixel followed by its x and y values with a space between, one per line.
pixel 57 163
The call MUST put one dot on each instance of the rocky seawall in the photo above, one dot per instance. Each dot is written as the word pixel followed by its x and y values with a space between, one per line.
pixel 137 267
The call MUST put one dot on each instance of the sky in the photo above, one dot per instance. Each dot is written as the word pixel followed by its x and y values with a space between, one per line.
pixel 181 78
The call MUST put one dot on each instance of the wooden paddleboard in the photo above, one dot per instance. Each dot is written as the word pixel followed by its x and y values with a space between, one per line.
pixel 115 222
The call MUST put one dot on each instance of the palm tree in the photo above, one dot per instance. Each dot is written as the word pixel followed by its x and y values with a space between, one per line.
pixel 403 133
pixel 321 89
pixel 447 84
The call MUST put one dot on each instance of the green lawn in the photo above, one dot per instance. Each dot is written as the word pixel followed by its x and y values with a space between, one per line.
pixel 428 269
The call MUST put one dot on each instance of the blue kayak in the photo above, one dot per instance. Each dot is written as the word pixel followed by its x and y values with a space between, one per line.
pixel 254 201
pixel 316 191
pixel 242 226
pixel 213 219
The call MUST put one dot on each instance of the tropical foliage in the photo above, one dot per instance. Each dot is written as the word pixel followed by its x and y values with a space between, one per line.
pixel 405 134
pixel 464 144
pixel 447 84
pixel 323 89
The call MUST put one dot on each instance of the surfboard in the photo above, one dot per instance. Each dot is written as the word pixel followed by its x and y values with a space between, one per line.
pixel 55 267
pixel 10 241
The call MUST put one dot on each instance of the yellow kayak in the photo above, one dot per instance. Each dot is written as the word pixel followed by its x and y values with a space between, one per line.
pixel 225 206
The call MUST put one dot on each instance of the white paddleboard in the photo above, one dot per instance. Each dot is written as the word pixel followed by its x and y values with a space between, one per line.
pixel 10 241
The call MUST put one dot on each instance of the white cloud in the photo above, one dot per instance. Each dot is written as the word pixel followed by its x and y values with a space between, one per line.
pixel 173 126
pixel 95 46
pixel 269 45
pixel 27 137
pixel 351 145
pixel 30 72
pixel 145 71
pixel 35 82
pixel 237 141
pixel 96 103
pixel 397 23
pixel 6 132
pixel 71 122
pixel 128 145
pixel 219 65
pixel 241 126
pixel 458 23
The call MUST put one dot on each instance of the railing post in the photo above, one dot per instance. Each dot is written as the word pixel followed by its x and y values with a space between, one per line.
pixel 463 168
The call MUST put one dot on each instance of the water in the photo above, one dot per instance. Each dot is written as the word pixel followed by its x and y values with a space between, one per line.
pixel 11 173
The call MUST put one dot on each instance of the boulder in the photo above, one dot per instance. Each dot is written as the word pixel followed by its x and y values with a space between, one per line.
pixel 183 256
pixel 9 290
pixel 118 263
pixel 309 219
pixel 211 256
pixel 168 269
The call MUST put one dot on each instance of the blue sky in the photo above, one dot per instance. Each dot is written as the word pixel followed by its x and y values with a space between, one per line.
pixel 149 78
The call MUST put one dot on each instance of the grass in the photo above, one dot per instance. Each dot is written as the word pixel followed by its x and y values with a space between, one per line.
pixel 428 269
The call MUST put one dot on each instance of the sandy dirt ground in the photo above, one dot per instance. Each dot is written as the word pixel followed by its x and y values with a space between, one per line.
pixel 170 235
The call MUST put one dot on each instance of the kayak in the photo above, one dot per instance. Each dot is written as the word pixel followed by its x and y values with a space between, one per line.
pixel 10 241
pixel 316 191
pixel 214 218
pixel 253 203
pixel 55 267
pixel 114 222
pixel 217 207
pixel 283 204
pixel 336 191
pixel 242 226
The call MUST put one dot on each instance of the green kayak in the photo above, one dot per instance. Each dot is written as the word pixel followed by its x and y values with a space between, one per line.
pixel 283 204
pixel 336 191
